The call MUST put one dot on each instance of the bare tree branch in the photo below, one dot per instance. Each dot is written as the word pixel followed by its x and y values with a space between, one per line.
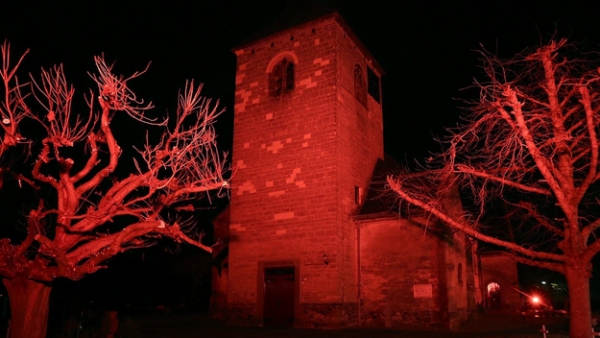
pixel 529 144
pixel 87 214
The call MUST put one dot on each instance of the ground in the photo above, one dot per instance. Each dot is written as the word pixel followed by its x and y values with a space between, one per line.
pixel 199 325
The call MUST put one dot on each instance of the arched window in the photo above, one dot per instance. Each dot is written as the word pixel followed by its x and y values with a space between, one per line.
pixel 360 86
pixel 281 77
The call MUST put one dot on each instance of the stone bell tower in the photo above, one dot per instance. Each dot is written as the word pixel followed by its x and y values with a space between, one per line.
pixel 307 135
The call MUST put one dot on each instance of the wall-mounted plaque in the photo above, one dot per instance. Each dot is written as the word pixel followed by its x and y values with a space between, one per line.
pixel 422 290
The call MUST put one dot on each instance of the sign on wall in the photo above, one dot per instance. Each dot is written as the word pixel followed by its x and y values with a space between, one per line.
pixel 423 291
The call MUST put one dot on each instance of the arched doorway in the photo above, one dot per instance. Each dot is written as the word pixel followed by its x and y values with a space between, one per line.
pixel 494 296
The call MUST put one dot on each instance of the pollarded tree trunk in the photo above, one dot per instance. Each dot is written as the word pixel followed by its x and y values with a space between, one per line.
pixel 29 304
pixel 580 312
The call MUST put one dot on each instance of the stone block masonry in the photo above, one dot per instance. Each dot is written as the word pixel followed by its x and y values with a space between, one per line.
pixel 300 151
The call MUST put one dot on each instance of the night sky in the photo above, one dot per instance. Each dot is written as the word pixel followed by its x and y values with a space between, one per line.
pixel 426 48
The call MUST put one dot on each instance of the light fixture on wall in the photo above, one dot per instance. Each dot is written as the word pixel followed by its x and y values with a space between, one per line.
pixel 317 262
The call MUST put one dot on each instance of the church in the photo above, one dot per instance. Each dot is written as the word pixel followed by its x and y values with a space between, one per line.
pixel 311 238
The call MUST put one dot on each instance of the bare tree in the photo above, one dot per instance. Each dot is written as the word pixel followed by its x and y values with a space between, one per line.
pixel 528 148
pixel 89 214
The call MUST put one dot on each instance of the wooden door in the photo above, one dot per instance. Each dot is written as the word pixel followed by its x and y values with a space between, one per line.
pixel 279 295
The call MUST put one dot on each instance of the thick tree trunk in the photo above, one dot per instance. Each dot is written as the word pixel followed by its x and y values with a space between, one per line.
pixel 29 304
pixel 580 312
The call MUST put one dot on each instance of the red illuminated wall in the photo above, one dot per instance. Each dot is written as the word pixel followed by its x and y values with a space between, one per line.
pixel 399 255
pixel 297 159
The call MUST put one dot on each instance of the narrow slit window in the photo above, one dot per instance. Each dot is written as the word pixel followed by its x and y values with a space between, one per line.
pixel 360 88
pixel 358 195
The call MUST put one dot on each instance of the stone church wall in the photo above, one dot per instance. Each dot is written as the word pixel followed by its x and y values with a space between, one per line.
pixel 400 269
pixel 411 277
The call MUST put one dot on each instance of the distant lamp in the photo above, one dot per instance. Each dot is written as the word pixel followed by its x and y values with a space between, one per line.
pixel 325 261
pixel 5 120
pixel 535 299
pixel 544 282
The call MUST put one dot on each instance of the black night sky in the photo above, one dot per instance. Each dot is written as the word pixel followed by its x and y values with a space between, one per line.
pixel 425 47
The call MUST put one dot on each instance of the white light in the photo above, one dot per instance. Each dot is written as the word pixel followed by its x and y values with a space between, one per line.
pixel 544 282
pixel 6 121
